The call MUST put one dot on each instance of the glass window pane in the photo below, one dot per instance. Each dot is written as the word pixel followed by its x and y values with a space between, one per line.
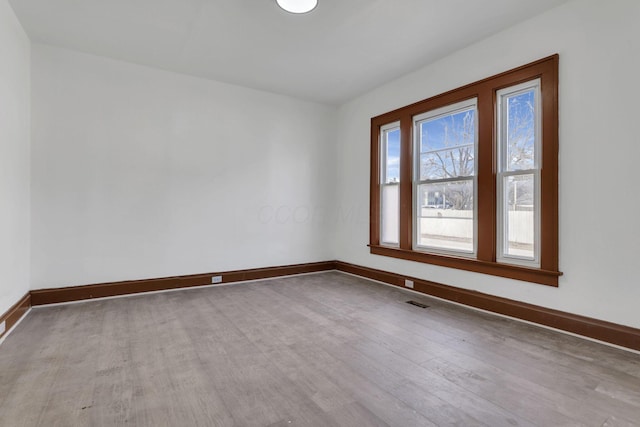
pixel 392 156
pixel 445 215
pixel 447 145
pixel 390 230
pixel 519 216
pixel 521 131
pixel 448 163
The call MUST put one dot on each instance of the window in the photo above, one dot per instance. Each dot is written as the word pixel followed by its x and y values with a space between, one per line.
pixel 468 179
pixel 518 180
pixel 444 183
pixel 390 184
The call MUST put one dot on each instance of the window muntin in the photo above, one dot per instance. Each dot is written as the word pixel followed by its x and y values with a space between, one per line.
pixel 445 210
pixel 518 174
pixel 389 185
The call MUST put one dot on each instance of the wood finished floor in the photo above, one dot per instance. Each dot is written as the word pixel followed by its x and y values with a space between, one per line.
pixel 317 350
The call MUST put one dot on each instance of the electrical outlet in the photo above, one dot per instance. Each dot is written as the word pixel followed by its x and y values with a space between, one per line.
pixel 408 283
pixel 3 327
pixel 216 279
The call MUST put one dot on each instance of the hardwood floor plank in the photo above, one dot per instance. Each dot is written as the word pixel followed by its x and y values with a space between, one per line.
pixel 443 412
pixel 318 350
pixel 356 415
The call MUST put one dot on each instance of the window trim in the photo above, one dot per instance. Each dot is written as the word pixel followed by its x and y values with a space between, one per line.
pixel 486 92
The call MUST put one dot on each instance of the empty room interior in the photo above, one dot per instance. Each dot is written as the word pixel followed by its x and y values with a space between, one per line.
pixel 319 213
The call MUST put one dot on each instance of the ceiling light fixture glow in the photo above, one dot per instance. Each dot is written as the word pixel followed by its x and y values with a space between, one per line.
pixel 298 6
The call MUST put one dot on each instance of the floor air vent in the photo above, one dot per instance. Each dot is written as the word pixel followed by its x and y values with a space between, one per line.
pixel 418 304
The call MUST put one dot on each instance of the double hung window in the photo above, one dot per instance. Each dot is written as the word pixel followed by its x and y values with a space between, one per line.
pixel 390 184
pixel 444 184
pixel 518 173
pixel 468 179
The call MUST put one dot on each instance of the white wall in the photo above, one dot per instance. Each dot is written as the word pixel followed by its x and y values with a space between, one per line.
pixel 141 173
pixel 14 159
pixel 599 47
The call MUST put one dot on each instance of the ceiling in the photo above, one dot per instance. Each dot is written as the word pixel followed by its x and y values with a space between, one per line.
pixel 340 50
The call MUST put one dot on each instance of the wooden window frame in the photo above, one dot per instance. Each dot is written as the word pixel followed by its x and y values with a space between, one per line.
pixel 486 93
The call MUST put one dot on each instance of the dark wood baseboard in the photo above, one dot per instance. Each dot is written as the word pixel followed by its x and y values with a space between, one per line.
pixel 100 290
pixel 612 333
pixel 15 313
pixel 621 335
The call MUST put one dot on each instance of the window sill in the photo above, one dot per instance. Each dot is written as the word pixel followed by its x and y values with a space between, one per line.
pixel 526 274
